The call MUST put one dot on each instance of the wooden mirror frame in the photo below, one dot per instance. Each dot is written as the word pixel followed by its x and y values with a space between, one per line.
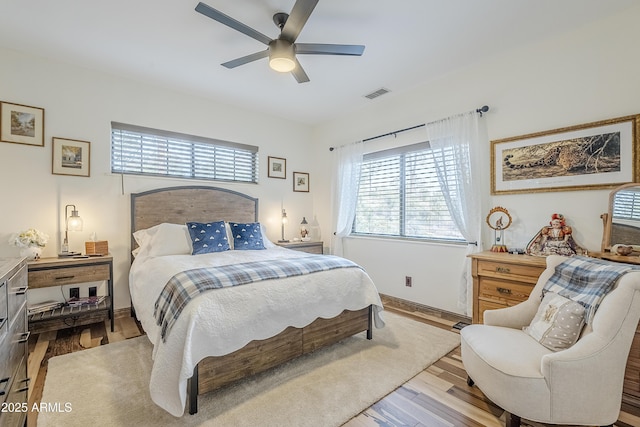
pixel 607 218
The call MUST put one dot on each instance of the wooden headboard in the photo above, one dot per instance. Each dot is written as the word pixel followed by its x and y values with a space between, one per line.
pixel 190 203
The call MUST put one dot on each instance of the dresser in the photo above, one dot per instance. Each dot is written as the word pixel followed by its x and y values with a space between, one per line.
pixel 14 337
pixel 502 280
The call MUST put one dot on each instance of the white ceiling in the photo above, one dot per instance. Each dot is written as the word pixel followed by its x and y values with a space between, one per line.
pixel 408 42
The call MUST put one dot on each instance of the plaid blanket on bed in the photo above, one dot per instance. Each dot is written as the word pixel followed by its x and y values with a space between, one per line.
pixel 186 285
pixel 586 281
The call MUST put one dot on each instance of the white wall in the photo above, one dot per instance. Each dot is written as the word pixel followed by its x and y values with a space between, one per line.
pixel 584 76
pixel 80 104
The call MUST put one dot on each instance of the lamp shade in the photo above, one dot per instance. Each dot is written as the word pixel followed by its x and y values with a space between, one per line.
pixel 74 222
pixel 281 56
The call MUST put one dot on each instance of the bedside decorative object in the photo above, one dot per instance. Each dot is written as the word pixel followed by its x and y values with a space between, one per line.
pixel 555 239
pixel 499 220
pixel 100 247
pixel 30 242
pixel 71 157
pixel 72 223
pixel 314 230
pixel 284 221
pixel 304 230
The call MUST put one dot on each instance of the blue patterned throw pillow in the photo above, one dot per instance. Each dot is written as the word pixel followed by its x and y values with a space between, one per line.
pixel 207 237
pixel 246 236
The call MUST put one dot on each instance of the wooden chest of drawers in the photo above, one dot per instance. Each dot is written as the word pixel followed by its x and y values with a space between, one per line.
pixel 14 383
pixel 502 280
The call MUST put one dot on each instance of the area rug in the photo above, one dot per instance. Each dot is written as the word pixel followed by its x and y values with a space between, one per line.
pixel 109 385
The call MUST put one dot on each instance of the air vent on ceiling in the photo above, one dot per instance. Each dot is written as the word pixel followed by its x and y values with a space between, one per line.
pixel 377 93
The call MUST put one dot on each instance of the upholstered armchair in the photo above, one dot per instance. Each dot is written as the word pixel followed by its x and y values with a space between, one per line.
pixel 578 385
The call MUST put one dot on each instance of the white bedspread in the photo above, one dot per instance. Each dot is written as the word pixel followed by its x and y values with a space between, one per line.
pixel 224 320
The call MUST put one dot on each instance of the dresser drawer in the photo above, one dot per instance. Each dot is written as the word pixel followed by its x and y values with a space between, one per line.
pixel 67 275
pixel 17 292
pixel 502 291
pixel 16 399
pixel 487 305
pixel 507 271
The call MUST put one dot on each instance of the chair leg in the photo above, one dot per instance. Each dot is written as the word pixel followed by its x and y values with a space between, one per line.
pixel 470 382
pixel 511 420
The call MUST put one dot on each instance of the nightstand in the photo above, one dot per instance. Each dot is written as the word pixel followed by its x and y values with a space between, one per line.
pixel 310 247
pixel 48 272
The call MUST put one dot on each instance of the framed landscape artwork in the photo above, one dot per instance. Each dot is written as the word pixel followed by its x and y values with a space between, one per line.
pixel 585 157
pixel 301 182
pixel 71 157
pixel 21 124
pixel 277 167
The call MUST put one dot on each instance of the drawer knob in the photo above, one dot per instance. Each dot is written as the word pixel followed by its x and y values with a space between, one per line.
pixel 503 270
pixel 504 291
pixel 65 277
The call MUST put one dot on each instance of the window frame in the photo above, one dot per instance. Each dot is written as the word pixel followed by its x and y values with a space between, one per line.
pixel 402 218
pixel 187 146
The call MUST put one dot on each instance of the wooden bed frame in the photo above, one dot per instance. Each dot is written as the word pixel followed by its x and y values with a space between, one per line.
pixel 203 204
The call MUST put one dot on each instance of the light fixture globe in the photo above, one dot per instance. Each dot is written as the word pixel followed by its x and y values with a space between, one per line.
pixel 281 56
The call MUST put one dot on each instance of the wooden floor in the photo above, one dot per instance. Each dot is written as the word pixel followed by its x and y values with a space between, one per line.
pixel 438 396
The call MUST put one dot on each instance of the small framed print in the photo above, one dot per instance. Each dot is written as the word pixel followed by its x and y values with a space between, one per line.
pixel 301 181
pixel 21 124
pixel 71 157
pixel 277 167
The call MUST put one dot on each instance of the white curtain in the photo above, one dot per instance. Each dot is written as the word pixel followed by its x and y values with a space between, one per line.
pixel 346 181
pixel 456 143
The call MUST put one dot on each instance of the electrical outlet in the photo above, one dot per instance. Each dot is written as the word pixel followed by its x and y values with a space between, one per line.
pixel 408 281
pixel 74 292
pixel 93 291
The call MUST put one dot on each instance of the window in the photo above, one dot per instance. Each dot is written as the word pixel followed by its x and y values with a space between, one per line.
pixel 400 196
pixel 143 151
pixel 627 205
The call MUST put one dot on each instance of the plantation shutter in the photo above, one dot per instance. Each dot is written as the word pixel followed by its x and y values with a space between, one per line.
pixel 400 195
pixel 144 151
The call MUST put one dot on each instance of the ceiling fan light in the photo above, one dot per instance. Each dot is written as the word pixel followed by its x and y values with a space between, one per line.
pixel 281 56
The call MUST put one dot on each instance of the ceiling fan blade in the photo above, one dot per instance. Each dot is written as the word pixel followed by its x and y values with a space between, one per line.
pixel 329 49
pixel 230 22
pixel 246 59
pixel 297 18
pixel 299 74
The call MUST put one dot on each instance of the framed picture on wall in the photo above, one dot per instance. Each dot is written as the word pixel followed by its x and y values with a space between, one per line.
pixel 277 167
pixel 585 157
pixel 21 124
pixel 71 157
pixel 301 181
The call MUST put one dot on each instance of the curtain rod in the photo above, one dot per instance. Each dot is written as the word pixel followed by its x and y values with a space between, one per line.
pixel 480 110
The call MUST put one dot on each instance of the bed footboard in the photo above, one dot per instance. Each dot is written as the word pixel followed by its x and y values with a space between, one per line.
pixel 213 373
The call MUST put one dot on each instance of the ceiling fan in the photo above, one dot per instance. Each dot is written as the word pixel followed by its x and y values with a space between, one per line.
pixel 282 51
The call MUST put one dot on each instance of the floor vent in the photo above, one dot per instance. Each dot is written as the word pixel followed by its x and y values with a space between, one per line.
pixel 460 325
pixel 377 93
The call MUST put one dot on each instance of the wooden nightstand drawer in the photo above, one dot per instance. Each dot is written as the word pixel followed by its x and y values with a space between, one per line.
pixel 309 247
pixel 67 275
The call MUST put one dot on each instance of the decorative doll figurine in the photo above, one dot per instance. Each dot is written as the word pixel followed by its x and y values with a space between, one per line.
pixel 555 239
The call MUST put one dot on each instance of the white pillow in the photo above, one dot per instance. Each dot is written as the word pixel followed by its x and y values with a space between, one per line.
pixel 558 322
pixel 163 239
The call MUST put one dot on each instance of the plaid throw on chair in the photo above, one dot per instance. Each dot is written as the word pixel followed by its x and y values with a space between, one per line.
pixel 186 285
pixel 586 281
